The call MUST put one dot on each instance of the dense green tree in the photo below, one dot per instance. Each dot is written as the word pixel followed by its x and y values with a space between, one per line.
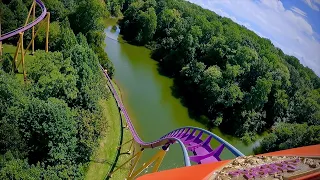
pixel 90 127
pixel 115 7
pixel 49 128
pixel 141 19
pixel 10 92
pixel 89 82
pixel 232 72
pixel 193 73
pixel 7 60
pixel 216 51
pixel 232 94
pixel 10 137
pixel 210 88
pixel 147 21
pixel 56 8
pixel 259 93
pixel 287 136
pixel 88 17
pixel 54 37
pixel 104 61
pixel 8 20
pixel 305 107
pixel 64 171
pixel 167 20
pixel 20 11
pixel 280 106
pixel 53 76
pixel 67 39
pixel 11 99
pixel 70 5
pixel 12 168
pixel 252 122
pixel 82 40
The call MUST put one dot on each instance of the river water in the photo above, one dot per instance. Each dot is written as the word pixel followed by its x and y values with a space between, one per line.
pixel 149 101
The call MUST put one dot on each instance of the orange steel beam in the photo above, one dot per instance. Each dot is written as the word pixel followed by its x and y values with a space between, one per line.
pixel 136 156
pixel 156 159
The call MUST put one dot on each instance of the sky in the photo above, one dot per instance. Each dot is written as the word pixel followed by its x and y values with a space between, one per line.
pixel 292 25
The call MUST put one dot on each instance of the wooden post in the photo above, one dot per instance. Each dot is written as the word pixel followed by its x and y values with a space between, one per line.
pixel 47 33
pixel 41 24
pixel 14 63
pixel 22 57
pixel 27 20
pixel 33 18
pixel 19 46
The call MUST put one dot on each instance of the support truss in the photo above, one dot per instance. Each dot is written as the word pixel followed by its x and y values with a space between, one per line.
pixel 156 160
pixel 20 46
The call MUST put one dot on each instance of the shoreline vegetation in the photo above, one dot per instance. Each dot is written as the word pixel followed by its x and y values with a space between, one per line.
pixel 239 81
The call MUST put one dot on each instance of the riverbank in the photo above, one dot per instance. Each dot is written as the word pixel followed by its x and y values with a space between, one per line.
pixel 148 98
pixel 106 155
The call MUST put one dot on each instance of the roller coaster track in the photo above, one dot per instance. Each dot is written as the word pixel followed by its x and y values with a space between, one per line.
pixel 191 139
pixel 28 26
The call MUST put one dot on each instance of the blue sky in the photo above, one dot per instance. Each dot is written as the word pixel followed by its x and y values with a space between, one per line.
pixel 292 25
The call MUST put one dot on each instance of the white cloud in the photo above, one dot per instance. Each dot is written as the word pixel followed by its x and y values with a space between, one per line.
pixel 287 29
pixel 299 11
pixel 314 4
pixel 273 4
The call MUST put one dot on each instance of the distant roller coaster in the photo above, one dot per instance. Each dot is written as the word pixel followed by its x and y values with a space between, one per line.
pixel 44 17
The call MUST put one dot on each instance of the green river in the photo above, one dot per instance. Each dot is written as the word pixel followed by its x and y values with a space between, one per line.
pixel 149 101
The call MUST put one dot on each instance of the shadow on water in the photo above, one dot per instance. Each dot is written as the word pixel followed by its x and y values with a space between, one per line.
pixel 161 70
pixel 191 104
pixel 197 114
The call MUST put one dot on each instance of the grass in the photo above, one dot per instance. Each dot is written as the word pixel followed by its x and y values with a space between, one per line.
pixel 105 155
pixel 12 49
pixel 28 58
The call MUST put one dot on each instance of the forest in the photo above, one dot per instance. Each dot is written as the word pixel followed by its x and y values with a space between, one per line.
pixel 241 82
pixel 50 125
